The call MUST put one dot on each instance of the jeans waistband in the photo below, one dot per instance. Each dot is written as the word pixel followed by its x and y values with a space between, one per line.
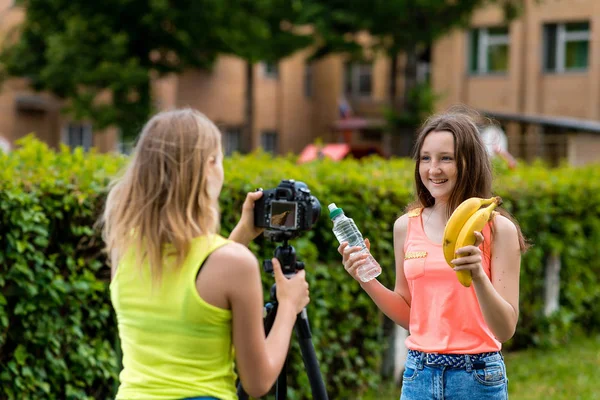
pixel 474 361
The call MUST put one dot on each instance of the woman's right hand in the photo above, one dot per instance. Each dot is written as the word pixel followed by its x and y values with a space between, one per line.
pixel 293 290
pixel 352 259
pixel 245 231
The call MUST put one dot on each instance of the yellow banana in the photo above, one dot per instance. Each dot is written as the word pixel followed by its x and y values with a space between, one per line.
pixel 466 236
pixel 457 220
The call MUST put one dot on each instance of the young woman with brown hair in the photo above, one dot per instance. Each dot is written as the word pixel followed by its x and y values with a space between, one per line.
pixel 456 333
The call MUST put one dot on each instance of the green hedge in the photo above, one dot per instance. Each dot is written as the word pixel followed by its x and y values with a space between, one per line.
pixel 57 328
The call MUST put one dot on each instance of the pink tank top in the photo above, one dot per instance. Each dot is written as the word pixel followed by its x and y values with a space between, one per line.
pixel 444 315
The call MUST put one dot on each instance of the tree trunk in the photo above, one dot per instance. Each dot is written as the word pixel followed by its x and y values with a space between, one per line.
pixel 552 284
pixel 396 352
pixel 249 109
pixel 391 138
pixel 407 133
pixel 410 76
pixel 393 88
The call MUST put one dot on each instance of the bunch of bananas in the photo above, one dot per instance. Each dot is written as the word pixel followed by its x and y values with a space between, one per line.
pixel 469 217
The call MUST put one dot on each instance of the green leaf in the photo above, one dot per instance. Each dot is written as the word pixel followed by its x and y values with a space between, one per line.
pixel 20 354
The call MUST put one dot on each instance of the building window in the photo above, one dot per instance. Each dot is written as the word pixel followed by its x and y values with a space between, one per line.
pixel 124 145
pixel 566 46
pixel 268 141
pixel 78 135
pixel 488 50
pixel 358 79
pixel 271 70
pixel 308 80
pixel 232 140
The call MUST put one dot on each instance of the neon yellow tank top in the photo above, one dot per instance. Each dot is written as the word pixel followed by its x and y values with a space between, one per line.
pixel 174 344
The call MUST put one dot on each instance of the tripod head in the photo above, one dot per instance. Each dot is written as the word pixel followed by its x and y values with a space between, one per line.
pixel 286 255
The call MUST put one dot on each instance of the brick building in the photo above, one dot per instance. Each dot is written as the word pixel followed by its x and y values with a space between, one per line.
pixel 539 76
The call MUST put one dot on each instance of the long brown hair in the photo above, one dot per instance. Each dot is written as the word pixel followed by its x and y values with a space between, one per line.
pixel 473 165
pixel 161 200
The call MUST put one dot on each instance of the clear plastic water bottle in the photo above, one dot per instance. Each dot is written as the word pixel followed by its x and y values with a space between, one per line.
pixel 345 230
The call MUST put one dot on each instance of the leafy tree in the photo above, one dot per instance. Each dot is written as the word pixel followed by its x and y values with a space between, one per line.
pixel 264 32
pixel 396 27
pixel 102 55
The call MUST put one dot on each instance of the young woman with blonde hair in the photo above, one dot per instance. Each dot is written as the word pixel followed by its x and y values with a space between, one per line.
pixel 184 296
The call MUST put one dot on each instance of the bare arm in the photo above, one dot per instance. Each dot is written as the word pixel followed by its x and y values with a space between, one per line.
pixel 393 303
pixel 498 298
pixel 259 359
pixel 245 231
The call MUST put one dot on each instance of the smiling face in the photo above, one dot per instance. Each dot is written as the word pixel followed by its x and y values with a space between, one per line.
pixel 437 165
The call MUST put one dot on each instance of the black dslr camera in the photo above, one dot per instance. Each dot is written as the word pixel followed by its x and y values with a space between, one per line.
pixel 287 210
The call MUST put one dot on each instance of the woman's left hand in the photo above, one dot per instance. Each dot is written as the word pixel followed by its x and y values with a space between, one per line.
pixel 245 231
pixel 469 259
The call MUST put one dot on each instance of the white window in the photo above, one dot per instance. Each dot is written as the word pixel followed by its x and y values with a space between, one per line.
pixel 268 141
pixel 271 70
pixel 232 140
pixel 124 145
pixel 78 134
pixel 566 46
pixel 358 79
pixel 488 50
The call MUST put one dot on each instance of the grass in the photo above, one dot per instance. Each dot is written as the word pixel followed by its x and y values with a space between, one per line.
pixel 571 372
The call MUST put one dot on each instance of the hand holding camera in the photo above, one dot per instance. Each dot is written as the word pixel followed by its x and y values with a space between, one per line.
pixel 245 231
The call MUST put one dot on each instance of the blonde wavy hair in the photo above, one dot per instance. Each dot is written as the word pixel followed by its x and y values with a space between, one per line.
pixel 161 201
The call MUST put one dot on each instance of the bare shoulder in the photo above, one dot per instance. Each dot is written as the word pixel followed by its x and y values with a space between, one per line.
pixel 504 227
pixel 401 224
pixel 235 258
pixel 229 271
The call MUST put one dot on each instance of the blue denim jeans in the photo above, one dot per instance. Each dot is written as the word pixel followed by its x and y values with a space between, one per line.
pixel 483 378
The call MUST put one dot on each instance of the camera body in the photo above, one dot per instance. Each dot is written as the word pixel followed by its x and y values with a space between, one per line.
pixel 286 210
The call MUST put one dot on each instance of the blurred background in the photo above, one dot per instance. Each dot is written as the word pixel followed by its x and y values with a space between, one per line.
pixel 284 74
pixel 327 91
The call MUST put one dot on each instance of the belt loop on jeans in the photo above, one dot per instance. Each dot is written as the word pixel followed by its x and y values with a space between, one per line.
pixel 468 363
pixel 421 360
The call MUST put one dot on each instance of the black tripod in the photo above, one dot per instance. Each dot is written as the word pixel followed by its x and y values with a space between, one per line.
pixel 286 254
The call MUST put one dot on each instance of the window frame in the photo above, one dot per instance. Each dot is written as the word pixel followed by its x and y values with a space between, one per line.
pixel 124 146
pixel 485 40
pixel 270 70
pixel 269 133
pixel 353 71
pixel 563 37
pixel 228 133
pixel 85 129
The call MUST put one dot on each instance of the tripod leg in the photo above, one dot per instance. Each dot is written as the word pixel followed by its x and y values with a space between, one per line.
pixel 242 395
pixel 281 383
pixel 310 359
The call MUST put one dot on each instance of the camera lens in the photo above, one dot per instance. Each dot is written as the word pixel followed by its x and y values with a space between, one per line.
pixel 316 209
